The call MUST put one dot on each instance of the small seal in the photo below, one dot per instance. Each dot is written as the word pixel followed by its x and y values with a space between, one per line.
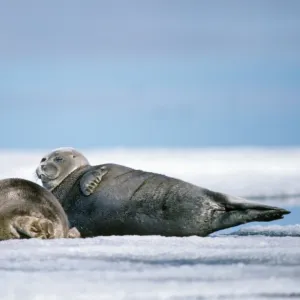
pixel 27 210
pixel 111 199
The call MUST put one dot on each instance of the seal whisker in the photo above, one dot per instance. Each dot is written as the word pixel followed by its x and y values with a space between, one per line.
pixel 35 176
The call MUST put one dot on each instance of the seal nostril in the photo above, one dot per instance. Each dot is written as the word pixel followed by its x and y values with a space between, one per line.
pixel 43 167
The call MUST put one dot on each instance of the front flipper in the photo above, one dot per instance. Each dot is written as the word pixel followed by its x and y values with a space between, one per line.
pixel 90 180
pixel 73 233
pixel 33 227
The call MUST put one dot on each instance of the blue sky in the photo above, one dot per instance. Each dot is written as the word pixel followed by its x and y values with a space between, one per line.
pixel 149 74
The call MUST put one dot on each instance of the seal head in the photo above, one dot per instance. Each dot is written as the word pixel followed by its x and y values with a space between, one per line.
pixel 59 164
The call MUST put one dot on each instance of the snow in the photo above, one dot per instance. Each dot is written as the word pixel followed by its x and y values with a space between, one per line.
pixel 239 171
pixel 272 230
pixel 253 261
pixel 151 267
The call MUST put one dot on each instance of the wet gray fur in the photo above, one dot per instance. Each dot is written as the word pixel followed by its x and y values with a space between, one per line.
pixel 135 202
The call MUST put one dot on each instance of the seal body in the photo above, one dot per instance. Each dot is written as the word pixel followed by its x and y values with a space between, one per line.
pixel 28 210
pixel 112 199
pixel 135 202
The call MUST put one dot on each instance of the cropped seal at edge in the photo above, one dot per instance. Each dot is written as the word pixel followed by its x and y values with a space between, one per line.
pixel 27 210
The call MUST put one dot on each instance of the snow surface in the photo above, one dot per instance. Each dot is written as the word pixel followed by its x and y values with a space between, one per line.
pixel 151 267
pixel 241 172
pixel 253 261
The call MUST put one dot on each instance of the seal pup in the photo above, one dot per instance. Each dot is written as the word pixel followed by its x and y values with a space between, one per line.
pixel 27 210
pixel 112 199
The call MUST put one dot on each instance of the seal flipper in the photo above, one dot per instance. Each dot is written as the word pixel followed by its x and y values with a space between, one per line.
pixel 236 211
pixel 73 233
pixel 33 227
pixel 91 180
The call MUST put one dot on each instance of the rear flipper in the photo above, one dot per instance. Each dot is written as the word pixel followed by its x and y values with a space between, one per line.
pixel 33 227
pixel 237 211
pixel 73 233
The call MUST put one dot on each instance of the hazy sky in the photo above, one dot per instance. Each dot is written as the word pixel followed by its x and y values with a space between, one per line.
pixel 149 73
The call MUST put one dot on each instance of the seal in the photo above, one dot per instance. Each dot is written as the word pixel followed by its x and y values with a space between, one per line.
pixel 27 210
pixel 112 199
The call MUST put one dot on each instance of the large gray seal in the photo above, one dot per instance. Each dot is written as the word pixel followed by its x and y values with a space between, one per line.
pixel 112 199
pixel 27 210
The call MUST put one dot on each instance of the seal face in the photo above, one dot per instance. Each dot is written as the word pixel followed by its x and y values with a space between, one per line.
pixel 111 199
pixel 57 165
pixel 27 210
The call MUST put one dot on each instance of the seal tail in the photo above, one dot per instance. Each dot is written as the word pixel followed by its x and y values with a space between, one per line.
pixel 236 211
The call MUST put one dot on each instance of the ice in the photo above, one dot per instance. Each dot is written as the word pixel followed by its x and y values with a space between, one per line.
pixel 251 261
pixel 245 172
pixel 273 230
pixel 152 267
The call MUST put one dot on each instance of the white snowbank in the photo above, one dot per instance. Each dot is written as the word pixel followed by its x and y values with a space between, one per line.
pixel 237 171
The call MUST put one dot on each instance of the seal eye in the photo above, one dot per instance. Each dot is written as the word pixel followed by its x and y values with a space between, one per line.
pixel 43 159
pixel 57 159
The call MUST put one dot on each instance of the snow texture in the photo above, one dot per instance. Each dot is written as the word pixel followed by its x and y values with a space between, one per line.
pixel 152 267
pixel 260 261
pixel 261 173
pixel 273 230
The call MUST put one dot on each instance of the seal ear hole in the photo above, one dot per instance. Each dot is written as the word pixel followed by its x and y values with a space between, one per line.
pixel 74 156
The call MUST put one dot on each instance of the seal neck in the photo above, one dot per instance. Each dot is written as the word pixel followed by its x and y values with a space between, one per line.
pixel 63 190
